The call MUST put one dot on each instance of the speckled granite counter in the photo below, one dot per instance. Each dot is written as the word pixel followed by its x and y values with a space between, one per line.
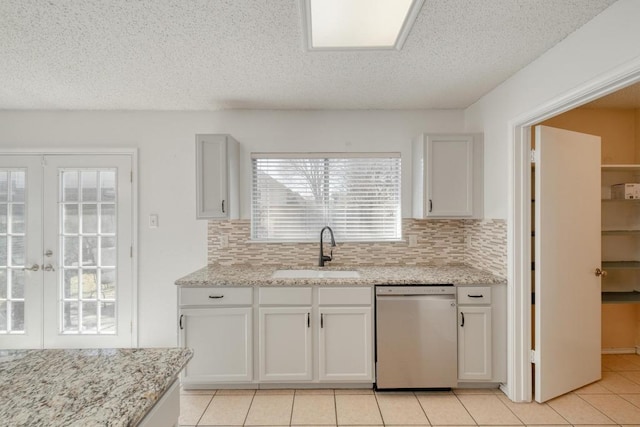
pixel 102 387
pixel 247 275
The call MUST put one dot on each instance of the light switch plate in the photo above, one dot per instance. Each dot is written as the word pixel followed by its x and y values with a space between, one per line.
pixel 153 221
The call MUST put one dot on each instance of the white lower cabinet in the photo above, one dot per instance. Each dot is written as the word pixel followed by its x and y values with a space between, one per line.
pixel 285 344
pixel 298 334
pixel 474 343
pixel 345 344
pixel 482 334
pixel 221 340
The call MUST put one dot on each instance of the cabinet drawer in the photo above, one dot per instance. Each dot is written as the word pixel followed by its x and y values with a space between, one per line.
pixel 285 296
pixel 216 296
pixel 344 296
pixel 474 295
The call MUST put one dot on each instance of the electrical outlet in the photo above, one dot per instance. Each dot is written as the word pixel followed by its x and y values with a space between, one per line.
pixel 413 240
pixel 153 221
pixel 224 241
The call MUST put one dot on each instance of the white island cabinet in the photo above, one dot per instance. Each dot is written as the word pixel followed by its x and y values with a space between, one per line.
pixel 217 324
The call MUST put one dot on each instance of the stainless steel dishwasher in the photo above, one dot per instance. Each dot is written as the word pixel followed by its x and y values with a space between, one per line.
pixel 416 337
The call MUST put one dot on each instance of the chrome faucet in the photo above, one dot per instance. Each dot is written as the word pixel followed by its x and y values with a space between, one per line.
pixel 324 258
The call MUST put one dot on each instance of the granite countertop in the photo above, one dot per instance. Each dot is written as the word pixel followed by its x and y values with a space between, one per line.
pixel 247 275
pixel 93 387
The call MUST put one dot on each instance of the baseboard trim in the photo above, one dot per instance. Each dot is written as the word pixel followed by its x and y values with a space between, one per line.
pixel 630 350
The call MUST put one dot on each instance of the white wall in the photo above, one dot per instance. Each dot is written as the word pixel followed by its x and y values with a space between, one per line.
pixel 608 41
pixel 166 146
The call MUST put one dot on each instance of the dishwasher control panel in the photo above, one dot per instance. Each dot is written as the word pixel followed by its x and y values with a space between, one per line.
pixel 444 289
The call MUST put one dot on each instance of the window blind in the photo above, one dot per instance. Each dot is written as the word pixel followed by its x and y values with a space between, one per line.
pixel 295 195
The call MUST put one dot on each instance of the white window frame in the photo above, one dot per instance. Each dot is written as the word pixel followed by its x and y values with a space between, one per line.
pixel 396 156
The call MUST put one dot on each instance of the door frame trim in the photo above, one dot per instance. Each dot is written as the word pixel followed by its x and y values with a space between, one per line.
pixel 519 384
pixel 88 151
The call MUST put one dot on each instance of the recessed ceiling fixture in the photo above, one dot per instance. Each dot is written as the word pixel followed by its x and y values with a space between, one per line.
pixel 358 24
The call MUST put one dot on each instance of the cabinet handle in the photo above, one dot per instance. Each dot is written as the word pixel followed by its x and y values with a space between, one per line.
pixel 308 320
pixel 321 320
pixel 430 205
pixel 475 296
pixel 216 296
pixel 462 324
pixel 181 316
pixel 223 206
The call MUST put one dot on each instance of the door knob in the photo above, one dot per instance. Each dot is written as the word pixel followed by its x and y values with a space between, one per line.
pixel 600 273
pixel 48 253
pixel 34 267
pixel 48 267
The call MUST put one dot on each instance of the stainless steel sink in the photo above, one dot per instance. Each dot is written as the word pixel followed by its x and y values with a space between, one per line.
pixel 315 274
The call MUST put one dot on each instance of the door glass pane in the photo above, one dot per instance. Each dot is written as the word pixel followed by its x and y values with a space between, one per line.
pixel 12 250
pixel 17 251
pixel 70 186
pixel 16 193
pixel 108 186
pixel 4 186
pixel 88 230
pixel 70 218
pixel 89 218
pixel 108 218
pixel 89 186
pixel 3 218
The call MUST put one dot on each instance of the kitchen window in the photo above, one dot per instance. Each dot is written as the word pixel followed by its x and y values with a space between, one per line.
pixel 296 194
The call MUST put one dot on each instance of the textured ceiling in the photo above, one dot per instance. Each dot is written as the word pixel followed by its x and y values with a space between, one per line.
pixel 233 54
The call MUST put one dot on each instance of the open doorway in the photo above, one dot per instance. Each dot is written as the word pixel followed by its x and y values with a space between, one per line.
pixel 615 120
pixel 520 383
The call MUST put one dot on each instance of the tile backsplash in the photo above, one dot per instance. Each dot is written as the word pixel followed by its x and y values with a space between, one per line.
pixel 478 243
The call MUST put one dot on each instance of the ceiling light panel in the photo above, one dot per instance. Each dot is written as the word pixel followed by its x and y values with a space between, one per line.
pixel 358 24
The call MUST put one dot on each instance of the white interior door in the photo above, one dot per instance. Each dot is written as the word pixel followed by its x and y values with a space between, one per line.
pixel 66 266
pixel 567 253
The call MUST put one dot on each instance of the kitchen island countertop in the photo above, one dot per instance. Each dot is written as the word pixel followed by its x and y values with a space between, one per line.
pixel 90 387
pixel 247 275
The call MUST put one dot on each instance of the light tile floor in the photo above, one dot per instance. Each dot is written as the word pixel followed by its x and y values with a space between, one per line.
pixel 614 400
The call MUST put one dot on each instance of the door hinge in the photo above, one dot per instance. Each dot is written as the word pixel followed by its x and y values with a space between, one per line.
pixel 131 176
pixel 130 251
pixel 533 156
pixel 532 357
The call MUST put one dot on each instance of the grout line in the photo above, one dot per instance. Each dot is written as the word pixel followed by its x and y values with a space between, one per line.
pixel 589 403
pixel 205 410
pixel 293 404
pixel 423 410
pixel 249 409
pixel 375 396
pixel 465 408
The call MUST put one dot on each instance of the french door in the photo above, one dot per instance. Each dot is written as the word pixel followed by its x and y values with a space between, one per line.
pixel 66 270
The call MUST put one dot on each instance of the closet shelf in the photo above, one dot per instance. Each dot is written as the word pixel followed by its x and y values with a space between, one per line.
pixel 620 232
pixel 620 297
pixel 618 265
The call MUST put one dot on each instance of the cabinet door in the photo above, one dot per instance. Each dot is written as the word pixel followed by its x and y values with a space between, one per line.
pixel 221 339
pixel 346 344
pixel 285 344
pixel 474 343
pixel 217 177
pixel 449 172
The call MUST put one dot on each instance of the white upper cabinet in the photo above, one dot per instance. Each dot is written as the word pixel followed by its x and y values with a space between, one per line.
pixel 447 174
pixel 217 177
